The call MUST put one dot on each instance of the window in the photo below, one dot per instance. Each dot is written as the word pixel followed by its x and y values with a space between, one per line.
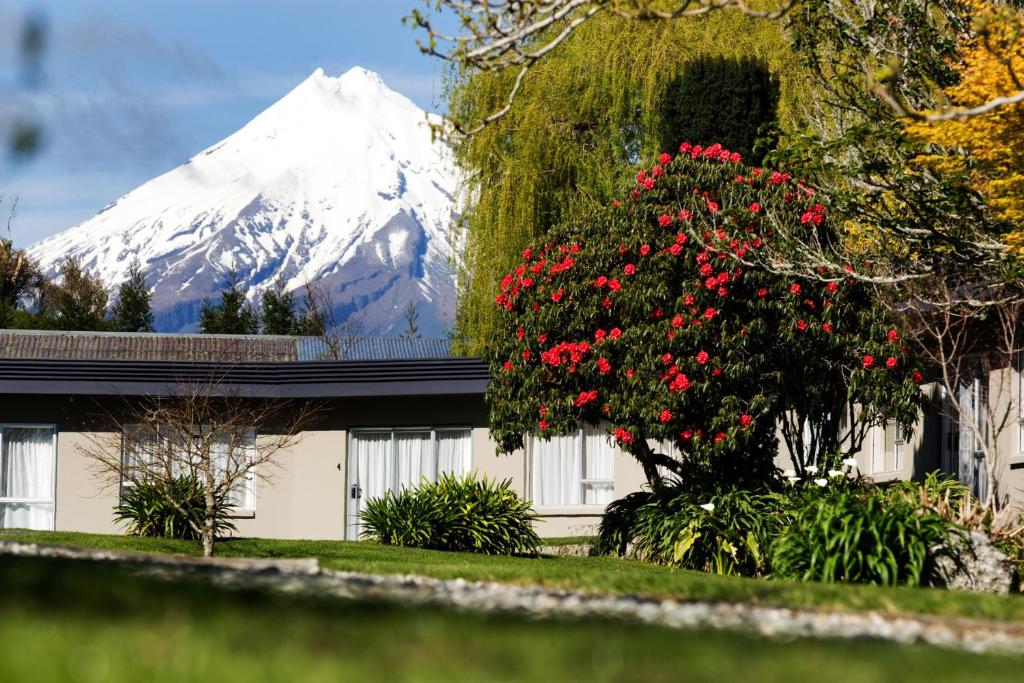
pixel 27 465
pixel 144 445
pixel 887 445
pixel 382 460
pixel 574 469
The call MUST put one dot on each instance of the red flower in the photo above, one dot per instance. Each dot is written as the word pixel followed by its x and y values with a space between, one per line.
pixel 657 171
pixel 507 366
pixel 712 206
pixel 832 287
pixel 868 362
pixel 755 208
pixel 622 436
pixel 702 357
pixel 891 362
pixel 677 321
pixel 794 289
pixel 645 249
pixel 601 281
pixel 688 300
pixel 716 372
pixel 892 335
pixel 745 420
pixel 606 302
pixel 542 338
pixel 685 215
pixel 631 373
pixel 615 333
pixel 664 220
pixel 666 359
pixel 675 250
pixel 826 327
pixel 543 410
pixel 710 313
pixel 629 269
pixel 526 354
pixel 665 417
pixel 679 383
pixel 916 376
pixel 665 158
pixel 527 253
pixel 719 437
pixel 762 293
pixel 520 333
pixel 557 296
pixel 599 335
pixel 585 397
pixel 801 325
pixel 648 183
pixel 614 285
pixel 603 366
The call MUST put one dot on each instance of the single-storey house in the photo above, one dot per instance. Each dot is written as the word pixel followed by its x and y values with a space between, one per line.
pixel 395 411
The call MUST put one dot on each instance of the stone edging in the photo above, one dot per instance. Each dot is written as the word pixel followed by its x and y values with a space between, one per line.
pixel 305 576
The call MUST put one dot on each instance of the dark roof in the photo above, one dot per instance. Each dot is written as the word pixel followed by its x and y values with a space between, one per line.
pixel 214 348
pixel 316 379
pixel 45 344
pixel 375 348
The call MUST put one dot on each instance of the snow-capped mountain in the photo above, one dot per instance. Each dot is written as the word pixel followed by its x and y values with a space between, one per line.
pixel 337 183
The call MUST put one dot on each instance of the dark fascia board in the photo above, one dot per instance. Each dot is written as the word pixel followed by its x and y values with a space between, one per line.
pixel 314 379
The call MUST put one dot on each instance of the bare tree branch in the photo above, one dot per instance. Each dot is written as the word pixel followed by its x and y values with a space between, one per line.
pixel 203 430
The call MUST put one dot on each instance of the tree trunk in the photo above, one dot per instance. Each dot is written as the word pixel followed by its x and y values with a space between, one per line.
pixel 210 510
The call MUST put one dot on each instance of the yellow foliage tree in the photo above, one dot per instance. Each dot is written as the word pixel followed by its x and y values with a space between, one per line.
pixel 990 146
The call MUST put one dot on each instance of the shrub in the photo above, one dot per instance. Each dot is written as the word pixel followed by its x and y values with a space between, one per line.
pixel 149 509
pixel 870 538
pixel 725 531
pixel 456 513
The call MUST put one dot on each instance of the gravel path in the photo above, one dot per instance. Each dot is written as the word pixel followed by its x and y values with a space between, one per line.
pixel 306 576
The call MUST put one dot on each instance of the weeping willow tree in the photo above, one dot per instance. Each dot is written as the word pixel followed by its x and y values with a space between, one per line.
pixel 585 114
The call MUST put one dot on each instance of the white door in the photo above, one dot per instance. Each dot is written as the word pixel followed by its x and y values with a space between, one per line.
pixel 27 465
pixel 390 460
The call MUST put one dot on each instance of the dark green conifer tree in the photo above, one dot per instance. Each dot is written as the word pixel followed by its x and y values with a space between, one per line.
pixel 132 312
pixel 278 309
pixel 728 100
pixel 232 314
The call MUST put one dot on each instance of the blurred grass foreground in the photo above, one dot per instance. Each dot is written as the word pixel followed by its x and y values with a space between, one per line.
pixel 73 620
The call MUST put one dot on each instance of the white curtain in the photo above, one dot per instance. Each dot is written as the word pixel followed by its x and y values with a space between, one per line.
pixel 415 454
pixel 26 473
pixel 229 458
pixel 598 467
pixel 557 466
pixel 374 464
pixel 454 451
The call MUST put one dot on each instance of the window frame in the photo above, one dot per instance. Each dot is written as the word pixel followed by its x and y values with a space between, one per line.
pixel 583 481
pixel 898 444
pixel 351 508
pixel 52 500
pixel 251 486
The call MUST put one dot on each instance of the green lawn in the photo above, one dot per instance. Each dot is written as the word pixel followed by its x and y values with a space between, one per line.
pixel 63 620
pixel 590 573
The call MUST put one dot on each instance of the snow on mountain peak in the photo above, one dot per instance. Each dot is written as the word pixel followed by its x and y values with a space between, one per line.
pixel 339 182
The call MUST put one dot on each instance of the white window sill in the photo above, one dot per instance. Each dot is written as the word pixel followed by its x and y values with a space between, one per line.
pixel 570 510
pixel 243 513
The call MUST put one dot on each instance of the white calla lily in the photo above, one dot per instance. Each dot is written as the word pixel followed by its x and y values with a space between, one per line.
pixel 821 482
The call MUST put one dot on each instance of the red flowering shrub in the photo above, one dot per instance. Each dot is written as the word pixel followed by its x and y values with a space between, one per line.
pixel 652 315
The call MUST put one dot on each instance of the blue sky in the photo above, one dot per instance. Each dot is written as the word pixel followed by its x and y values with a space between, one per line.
pixel 132 88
